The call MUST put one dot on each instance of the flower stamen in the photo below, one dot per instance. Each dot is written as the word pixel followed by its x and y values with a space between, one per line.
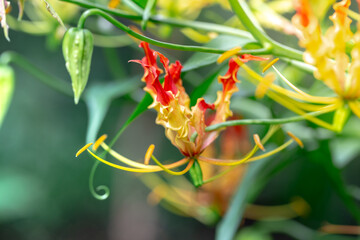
pixel 140 165
pixel 228 54
pixel 296 139
pixel 148 154
pixel 191 162
pixel 141 170
pixel 99 141
pixel 270 64
pixel 83 149
pixel 264 85
pixel 258 142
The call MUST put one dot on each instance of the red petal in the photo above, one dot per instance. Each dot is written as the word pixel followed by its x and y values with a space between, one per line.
pixel 151 78
pixel 229 79
pixel 175 71
pixel 169 84
pixel 150 55
pixel 203 106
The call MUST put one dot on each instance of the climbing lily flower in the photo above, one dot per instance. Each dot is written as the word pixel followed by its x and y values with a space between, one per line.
pixel 173 104
pixel 327 53
pixel 185 126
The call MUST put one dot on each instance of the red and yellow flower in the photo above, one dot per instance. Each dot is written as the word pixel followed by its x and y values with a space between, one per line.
pixel 185 126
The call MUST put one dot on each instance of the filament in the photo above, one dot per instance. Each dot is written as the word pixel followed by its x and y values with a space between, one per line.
pixel 191 162
pixel 140 165
pixel 139 170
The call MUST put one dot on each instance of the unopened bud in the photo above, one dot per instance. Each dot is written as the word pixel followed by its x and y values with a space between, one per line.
pixel 77 49
pixel 6 89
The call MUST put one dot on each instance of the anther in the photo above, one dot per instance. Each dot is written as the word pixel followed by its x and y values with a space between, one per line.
pixel 296 139
pixel 258 142
pixel 83 149
pixel 264 85
pixel 149 153
pixel 270 64
pixel 99 142
pixel 228 54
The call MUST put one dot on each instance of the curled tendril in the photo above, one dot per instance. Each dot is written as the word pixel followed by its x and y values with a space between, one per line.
pixel 103 188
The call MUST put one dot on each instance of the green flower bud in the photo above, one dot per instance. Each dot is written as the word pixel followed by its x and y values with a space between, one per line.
pixel 77 49
pixel 6 89
pixel 340 118
pixel 196 175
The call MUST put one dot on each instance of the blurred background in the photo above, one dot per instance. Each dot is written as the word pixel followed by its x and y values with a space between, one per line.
pixel 44 189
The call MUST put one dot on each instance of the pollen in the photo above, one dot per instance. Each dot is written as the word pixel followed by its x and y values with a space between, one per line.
pixel 296 139
pixel 228 54
pixel 99 142
pixel 83 149
pixel 258 142
pixel 270 64
pixel 149 153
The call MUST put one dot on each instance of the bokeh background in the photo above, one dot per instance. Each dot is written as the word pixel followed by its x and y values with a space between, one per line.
pixel 44 192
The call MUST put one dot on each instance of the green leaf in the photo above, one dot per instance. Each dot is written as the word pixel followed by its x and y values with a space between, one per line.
pixel 226 229
pixel 140 3
pixel 140 108
pixel 98 99
pixel 200 90
pixel 251 109
pixel 323 157
pixel 222 42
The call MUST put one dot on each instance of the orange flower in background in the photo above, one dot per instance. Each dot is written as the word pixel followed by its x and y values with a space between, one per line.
pixel 328 52
pixel 210 201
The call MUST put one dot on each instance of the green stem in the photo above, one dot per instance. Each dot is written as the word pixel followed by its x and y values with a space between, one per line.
pixel 133 6
pixel 126 29
pixel 241 9
pixel 147 13
pixel 45 78
pixel 104 188
pixel 258 122
pixel 232 123
pixel 181 23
